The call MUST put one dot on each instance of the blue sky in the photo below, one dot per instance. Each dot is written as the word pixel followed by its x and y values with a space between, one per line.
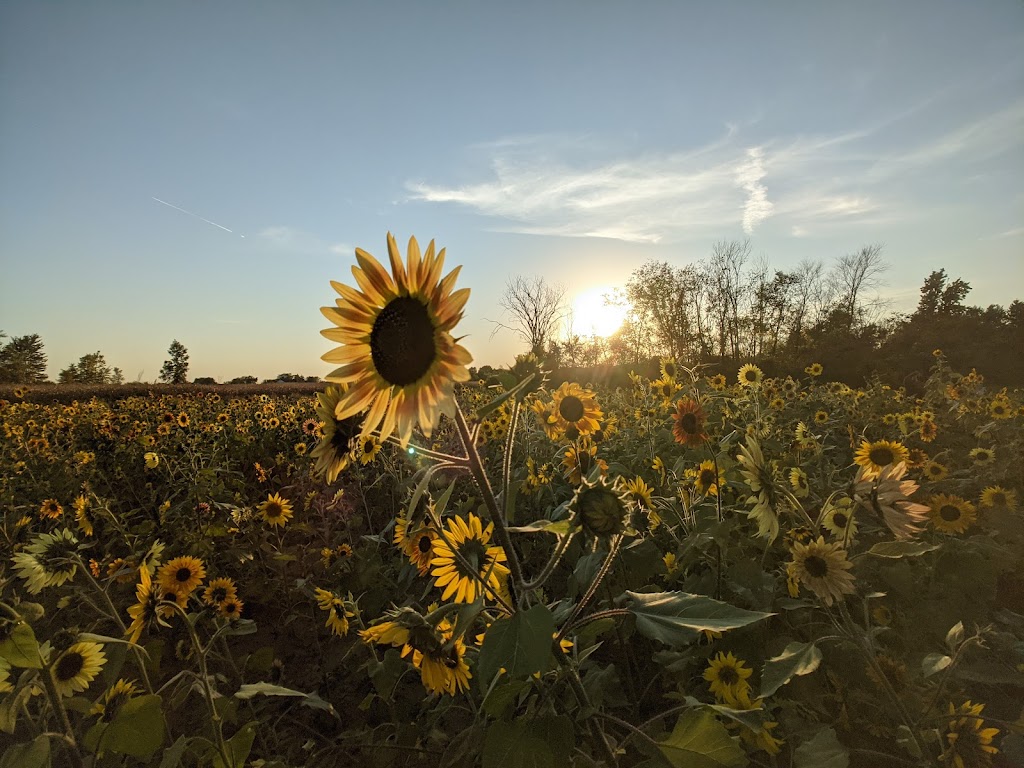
pixel 575 140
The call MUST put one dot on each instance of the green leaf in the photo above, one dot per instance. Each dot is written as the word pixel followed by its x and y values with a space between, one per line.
pixel 700 741
pixel 934 663
pixel 238 748
pixel 822 751
pixel 137 730
pixel 249 690
pixel 35 754
pixel 796 659
pixel 557 527
pixel 173 754
pixel 673 617
pixel 442 502
pixel 520 644
pixel 499 699
pixel 10 707
pixel 21 648
pixel 521 744
pixel 955 636
pixel 897 549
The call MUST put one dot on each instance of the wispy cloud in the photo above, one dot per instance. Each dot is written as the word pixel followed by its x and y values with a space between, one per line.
pixel 294 240
pixel 555 186
pixel 1008 233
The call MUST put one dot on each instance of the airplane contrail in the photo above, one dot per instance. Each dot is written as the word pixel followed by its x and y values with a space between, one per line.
pixel 195 215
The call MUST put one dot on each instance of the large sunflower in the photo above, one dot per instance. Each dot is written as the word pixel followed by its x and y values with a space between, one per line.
pixel 77 667
pixel 397 352
pixel 181 575
pixel 443 669
pixel 689 421
pixel 874 457
pixel 969 744
pixel 47 561
pixel 824 569
pixel 462 568
pixel 995 496
pixel 750 375
pixel 574 406
pixel 951 514
pixel 334 451
pixel 888 496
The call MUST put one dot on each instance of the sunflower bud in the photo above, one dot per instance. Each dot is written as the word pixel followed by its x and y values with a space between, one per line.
pixel 600 510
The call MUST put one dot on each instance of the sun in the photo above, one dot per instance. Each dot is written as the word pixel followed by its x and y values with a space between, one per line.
pixel 591 316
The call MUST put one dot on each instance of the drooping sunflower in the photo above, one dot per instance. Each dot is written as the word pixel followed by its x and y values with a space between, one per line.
pixel 935 471
pixel 969 743
pixel 47 561
pixel 443 669
pixel 727 676
pixel 689 419
pixel 119 694
pixel 763 497
pixel 951 514
pixel 888 496
pixel 983 456
pixel 579 461
pixel 77 667
pixel 600 509
pixel 750 375
pixel 397 352
pixel 145 612
pixel 478 563
pixel 83 515
pixel 639 492
pixel 182 575
pixel 996 496
pixel 576 407
pixel 337 612
pixel 219 590
pixel 417 542
pixel 824 569
pixel 333 453
pixel 873 457
pixel 706 479
pixel 276 511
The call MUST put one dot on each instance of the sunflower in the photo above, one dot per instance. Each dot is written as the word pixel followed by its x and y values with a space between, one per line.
pixel 50 510
pixel 951 514
pixel 1000 409
pixel 416 542
pixel 182 575
pixel 116 696
pixel 717 382
pixel 219 590
pixel 580 460
pixel 969 743
pixel 758 477
pixel 750 375
pixel 814 369
pixel 47 561
pixel 798 479
pixel 183 420
pixel 706 479
pixel 396 350
pixel 839 520
pixel 443 669
pixel 669 369
pixel 463 562
pixel 935 471
pixel 337 613
pixel 546 418
pixel 727 676
pixel 276 511
pixel 151 459
pixel 996 496
pixel 928 431
pixel 230 609
pixel 387 633
pixel 983 456
pixel 145 612
pixel 599 508
pixel 888 496
pixel 873 457
pixel 334 451
pixel 639 492
pixel 77 667
pixel 574 406
pixel 689 422
pixel 83 515
pixel 824 569
pixel 368 448
pixel 820 417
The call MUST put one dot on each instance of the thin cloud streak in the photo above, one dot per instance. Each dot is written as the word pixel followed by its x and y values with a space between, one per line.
pixel 758 207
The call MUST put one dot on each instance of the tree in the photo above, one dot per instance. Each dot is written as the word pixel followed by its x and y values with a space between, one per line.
pixel 535 308
pixel 22 360
pixel 175 370
pixel 661 298
pixel 91 369
pixel 851 277
pixel 244 380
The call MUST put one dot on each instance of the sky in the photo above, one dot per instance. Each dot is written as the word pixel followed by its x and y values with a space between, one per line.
pixel 201 171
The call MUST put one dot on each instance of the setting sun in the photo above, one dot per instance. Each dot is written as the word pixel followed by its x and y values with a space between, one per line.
pixel 591 316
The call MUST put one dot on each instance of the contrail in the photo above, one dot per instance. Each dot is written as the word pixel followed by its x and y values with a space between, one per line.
pixel 194 215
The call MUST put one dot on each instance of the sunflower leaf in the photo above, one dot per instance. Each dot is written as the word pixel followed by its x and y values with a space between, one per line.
pixel 934 663
pixel 520 644
pixel 673 617
pixel 249 690
pixel 34 754
pixel 21 648
pixel 700 741
pixel 897 549
pixel 137 730
pixel 557 527
pixel 822 751
pixel 795 660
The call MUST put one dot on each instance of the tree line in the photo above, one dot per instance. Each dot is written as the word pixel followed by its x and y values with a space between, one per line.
pixel 731 308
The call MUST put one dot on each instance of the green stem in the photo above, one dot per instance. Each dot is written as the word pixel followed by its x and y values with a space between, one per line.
pixel 605 567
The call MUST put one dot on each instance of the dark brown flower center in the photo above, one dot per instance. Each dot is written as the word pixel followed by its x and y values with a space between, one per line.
pixel 750 375
pixel 670 370
pixel 183 574
pixel 571 408
pixel 728 675
pixel 475 554
pixel 840 520
pixel 881 456
pixel 706 478
pixel 689 423
pixel 816 566
pixel 949 513
pixel 424 545
pixel 273 509
pixel 69 665
pixel 219 595
pixel 402 343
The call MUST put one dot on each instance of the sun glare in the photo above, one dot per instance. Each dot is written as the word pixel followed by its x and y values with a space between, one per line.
pixel 592 317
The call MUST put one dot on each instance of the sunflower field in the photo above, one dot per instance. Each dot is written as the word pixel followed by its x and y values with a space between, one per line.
pixel 706 568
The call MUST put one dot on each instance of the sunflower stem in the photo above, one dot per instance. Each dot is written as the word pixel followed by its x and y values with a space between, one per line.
pixel 58 706
pixel 576 684
pixel 476 469
pixel 549 567
pixel 605 567
pixel 506 463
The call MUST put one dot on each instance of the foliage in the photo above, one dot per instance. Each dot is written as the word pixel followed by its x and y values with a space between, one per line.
pixel 91 369
pixel 175 370
pixel 22 360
